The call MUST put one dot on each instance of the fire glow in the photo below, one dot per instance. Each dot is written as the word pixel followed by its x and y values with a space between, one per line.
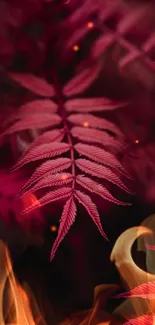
pixel 139 307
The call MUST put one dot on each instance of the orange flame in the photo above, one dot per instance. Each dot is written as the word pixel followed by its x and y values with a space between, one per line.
pixel 18 309
pixel 21 308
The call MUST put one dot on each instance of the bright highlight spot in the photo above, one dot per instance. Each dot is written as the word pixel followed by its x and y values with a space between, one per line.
pixel 64 177
pixel 30 199
pixel 53 228
pixel 136 141
pixel 76 48
pixel 85 124
pixel 90 24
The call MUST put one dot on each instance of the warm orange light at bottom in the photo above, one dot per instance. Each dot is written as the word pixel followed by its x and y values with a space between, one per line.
pixel 153 320
pixel 19 310
pixel 21 307
pixel 17 296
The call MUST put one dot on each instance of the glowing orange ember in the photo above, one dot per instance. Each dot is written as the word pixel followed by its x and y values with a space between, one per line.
pixel 64 177
pixel 136 141
pixel 85 124
pixel 75 48
pixel 90 24
pixel 53 228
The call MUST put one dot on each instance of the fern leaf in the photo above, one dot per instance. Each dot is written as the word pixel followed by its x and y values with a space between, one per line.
pixel 82 13
pixel 55 135
pixel 145 319
pixel 47 168
pixel 95 136
pixel 99 155
pixel 38 106
pixel 37 121
pixel 149 44
pixel 91 208
pixel 128 58
pixel 66 221
pixel 131 19
pixel 76 36
pixel 82 81
pixel 87 105
pixel 51 196
pixel 145 291
pixel 102 44
pixel 47 150
pixel 101 172
pixel 42 113
pixel 51 180
pixel 35 84
pixel 89 120
pixel 94 187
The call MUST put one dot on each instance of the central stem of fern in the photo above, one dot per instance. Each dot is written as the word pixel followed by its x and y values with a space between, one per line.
pixel 62 113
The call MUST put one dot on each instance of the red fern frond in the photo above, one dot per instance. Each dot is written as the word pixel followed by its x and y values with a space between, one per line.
pixel 51 196
pixel 43 151
pixel 66 221
pixel 38 106
pixel 101 156
pixel 94 187
pixel 81 14
pixel 91 208
pixel 76 36
pixel 89 120
pixel 51 180
pixel 95 136
pixel 47 168
pixel 55 135
pixel 92 129
pixel 101 172
pixel 82 81
pixel 35 107
pixel 131 19
pixel 87 105
pixel 145 291
pixel 141 320
pixel 37 121
pixel 35 84
pixel 102 44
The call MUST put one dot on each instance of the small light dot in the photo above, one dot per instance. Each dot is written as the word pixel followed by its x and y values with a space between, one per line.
pixel 76 48
pixel 136 141
pixel 53 228
pixel 90 24
pixel 85 124
pixel 64 176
